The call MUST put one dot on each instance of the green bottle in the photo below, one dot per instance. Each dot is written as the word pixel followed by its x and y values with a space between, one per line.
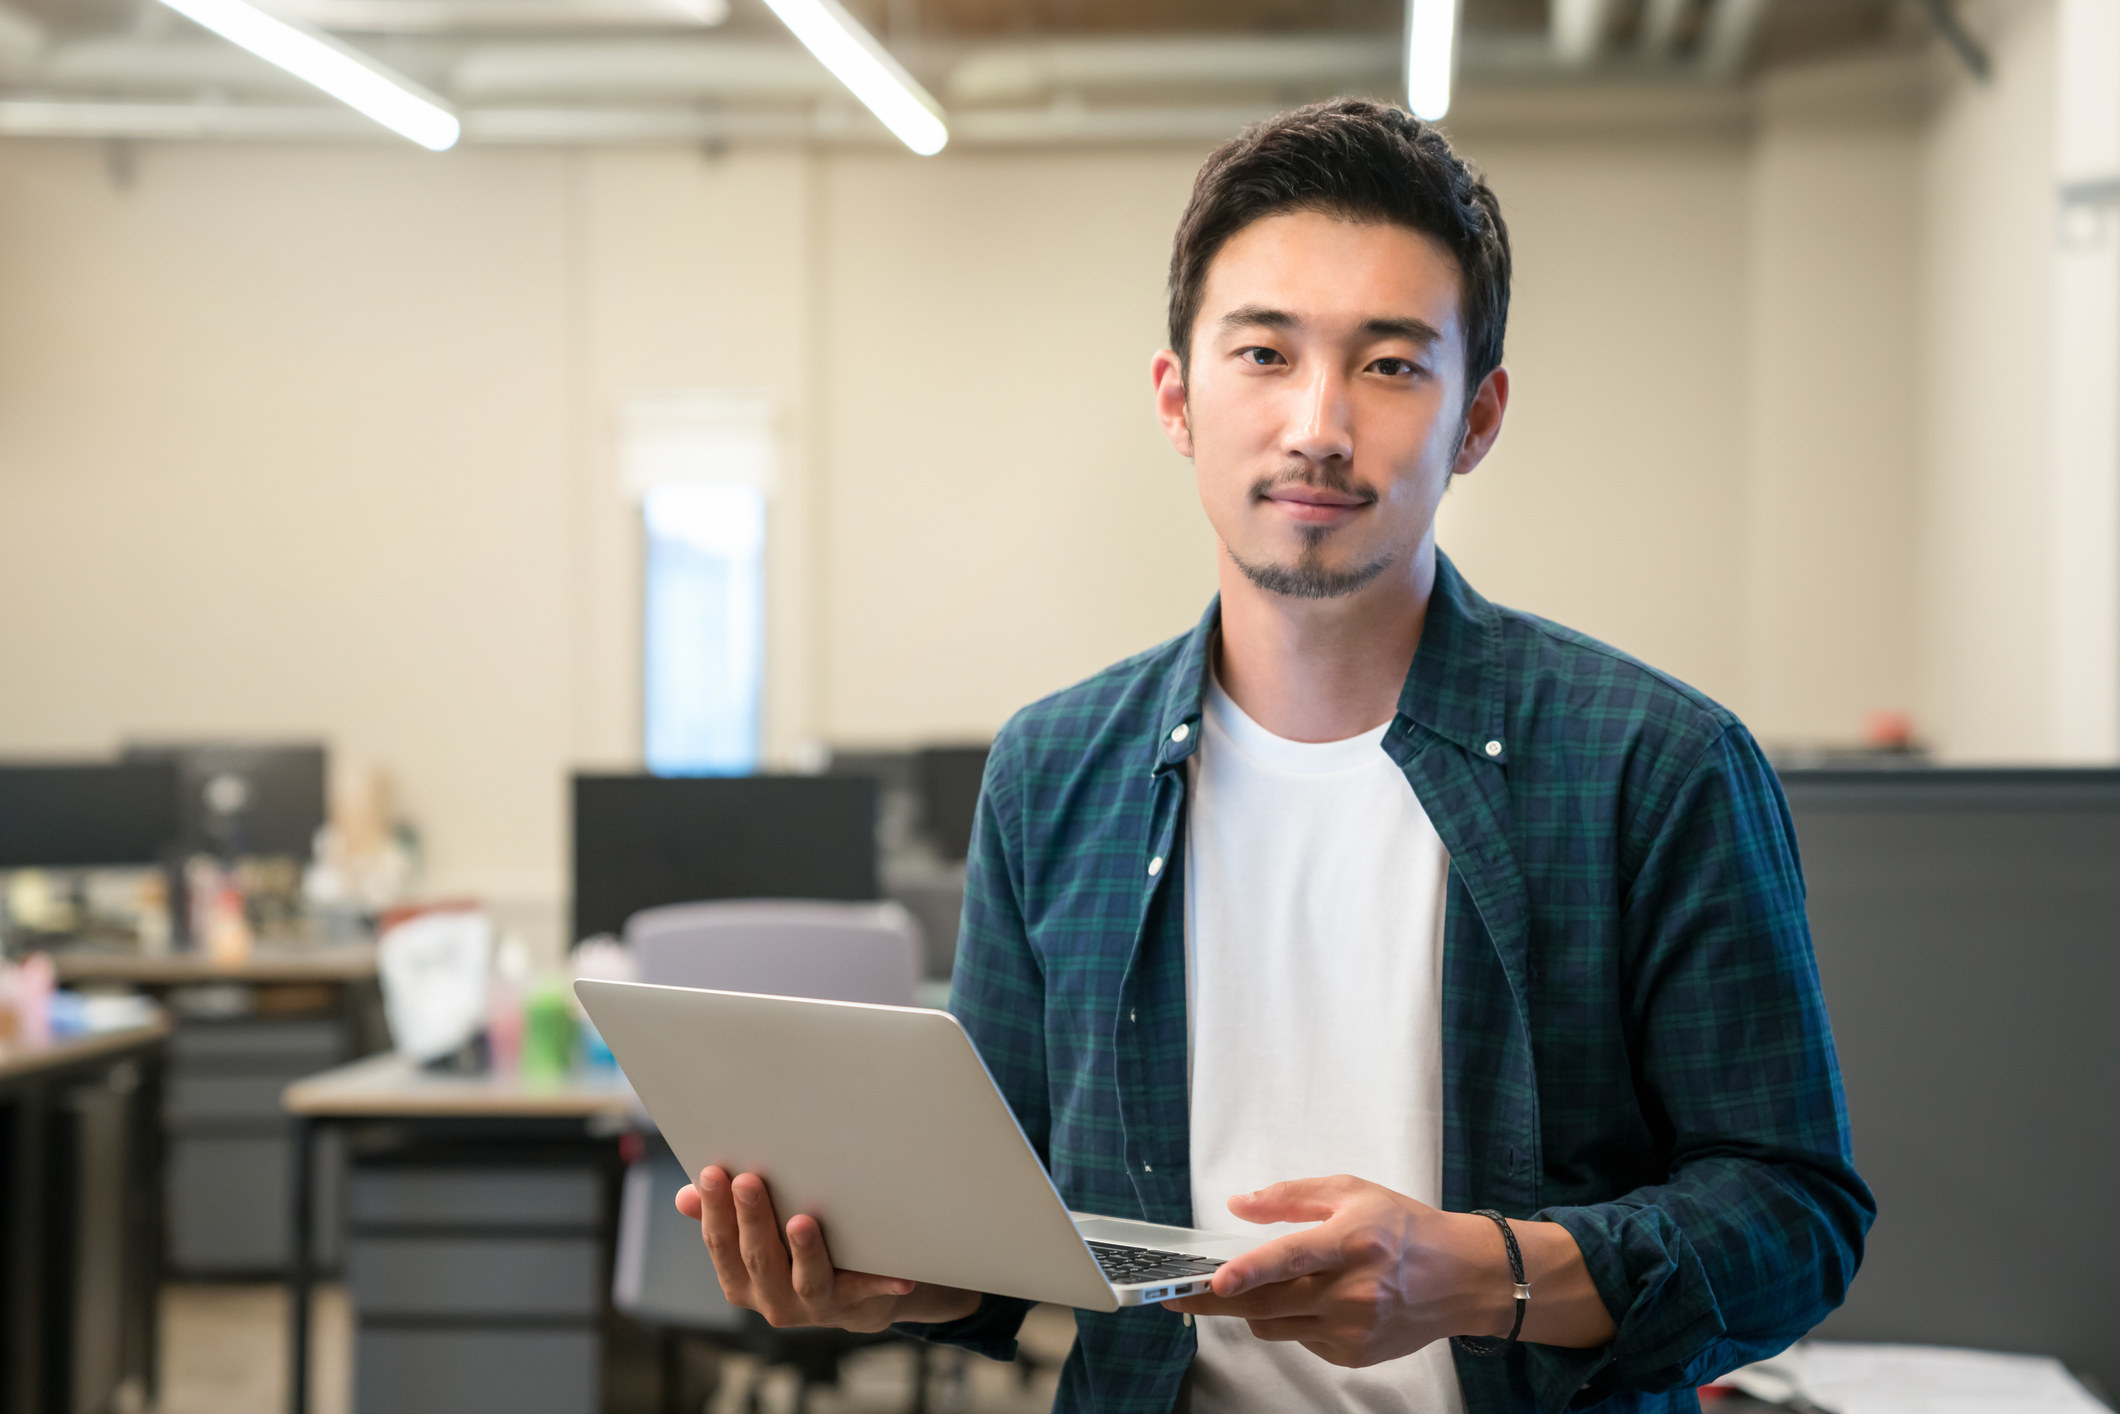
pixel 548 1033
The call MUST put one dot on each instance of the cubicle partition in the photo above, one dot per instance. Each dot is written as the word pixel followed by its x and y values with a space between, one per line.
pixel 1967 925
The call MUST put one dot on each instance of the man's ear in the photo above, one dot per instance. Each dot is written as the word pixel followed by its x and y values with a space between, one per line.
pixel 1483 421
pixel 1168 374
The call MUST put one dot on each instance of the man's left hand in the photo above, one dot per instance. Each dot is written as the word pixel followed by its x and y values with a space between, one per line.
pixel 1383 1275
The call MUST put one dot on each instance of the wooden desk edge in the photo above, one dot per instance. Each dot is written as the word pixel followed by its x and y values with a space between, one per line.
pixel 335 964
pixel 383 1087
pixel 463 1105
pixel 76 1049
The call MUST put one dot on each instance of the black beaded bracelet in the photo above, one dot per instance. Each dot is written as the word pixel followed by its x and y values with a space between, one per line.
pixel 1485 1345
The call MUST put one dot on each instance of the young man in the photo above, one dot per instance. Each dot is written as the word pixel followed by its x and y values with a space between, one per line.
pixel 1368 877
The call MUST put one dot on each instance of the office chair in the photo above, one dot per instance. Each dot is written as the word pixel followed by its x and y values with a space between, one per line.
pixel 663 1278
pixel 842 952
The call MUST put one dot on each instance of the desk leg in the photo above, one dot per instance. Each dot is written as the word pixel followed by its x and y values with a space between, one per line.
pixel 149 1207
pixel 298 1273
pixel 22 1388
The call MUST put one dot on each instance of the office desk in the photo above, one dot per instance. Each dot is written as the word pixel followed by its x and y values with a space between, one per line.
pixel 82 1244
pixel 228 1153
pixel 265 965
pixel 539 1203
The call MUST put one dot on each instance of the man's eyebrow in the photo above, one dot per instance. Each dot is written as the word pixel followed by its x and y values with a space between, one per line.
pixel 1419 331
pixel 1256 316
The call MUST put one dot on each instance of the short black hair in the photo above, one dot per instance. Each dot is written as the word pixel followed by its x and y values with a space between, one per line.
pixel 1366 161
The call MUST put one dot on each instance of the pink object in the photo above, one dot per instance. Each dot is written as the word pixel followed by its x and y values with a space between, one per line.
pixel 33 999
pixel 504 1027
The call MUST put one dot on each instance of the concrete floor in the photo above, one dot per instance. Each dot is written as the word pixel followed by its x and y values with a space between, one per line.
pixel 224 1351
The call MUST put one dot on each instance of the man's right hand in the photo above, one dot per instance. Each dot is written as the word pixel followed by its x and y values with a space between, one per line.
pixel 801 1287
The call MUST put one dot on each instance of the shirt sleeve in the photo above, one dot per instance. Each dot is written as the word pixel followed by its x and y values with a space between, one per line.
pixel 1759 1227
pixel 997 993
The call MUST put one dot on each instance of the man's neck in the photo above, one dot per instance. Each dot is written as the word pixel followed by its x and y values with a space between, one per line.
pixel 1322 669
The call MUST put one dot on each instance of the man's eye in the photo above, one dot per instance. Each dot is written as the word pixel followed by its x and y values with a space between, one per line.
pixel 1393 367
pixel 1262 357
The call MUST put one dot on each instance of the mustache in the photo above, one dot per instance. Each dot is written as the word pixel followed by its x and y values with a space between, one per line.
pixel 1331 476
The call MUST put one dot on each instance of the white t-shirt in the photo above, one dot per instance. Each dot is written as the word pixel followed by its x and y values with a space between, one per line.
pixel 1314 965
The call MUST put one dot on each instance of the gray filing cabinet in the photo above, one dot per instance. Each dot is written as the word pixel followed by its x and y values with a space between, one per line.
pixel 230 1156
pixel 476 1288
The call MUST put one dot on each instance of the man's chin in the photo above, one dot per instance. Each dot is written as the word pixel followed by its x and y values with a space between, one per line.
pixel 1309 578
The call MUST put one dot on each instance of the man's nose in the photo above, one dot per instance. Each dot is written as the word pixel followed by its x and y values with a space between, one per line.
pixel 1321 424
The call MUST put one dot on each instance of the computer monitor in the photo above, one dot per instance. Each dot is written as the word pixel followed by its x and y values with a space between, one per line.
pixel 1967 925
pixel 246 799
pixel 643 841
pixel 949 778
pixel 82 816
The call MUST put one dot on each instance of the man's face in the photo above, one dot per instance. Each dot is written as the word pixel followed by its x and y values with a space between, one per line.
pixel 1325 406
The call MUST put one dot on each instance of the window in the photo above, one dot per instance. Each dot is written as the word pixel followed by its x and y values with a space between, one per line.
pixel 705 627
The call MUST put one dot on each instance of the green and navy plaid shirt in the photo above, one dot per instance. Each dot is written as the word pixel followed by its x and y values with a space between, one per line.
pixel 1634 1042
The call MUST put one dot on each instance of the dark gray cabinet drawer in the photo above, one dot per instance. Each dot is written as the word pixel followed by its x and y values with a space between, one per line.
pixel 476 1197
pixel 193 1098
pixel 475 1372
pixel 228 1203
pixel 228 1199
pixel 424 1274
pixel 295 1047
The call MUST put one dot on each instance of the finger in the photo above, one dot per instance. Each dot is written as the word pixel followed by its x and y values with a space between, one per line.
pixel 690 1203
pixel 1299 1200
pixel 765 1255
pixel 1303 1329
pixel 717 1228
pixel 811 1271
pixel 818 1282
pixel 1285 1259
pixel 866 1286
pixel 1332 1352
pixel 1281 1299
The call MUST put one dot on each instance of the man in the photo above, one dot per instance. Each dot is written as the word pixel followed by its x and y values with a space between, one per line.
pixel 1368 877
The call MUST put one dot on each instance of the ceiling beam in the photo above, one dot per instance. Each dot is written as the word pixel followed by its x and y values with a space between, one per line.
pixel 1660 21
pixel 1578 30
pixel 1733 30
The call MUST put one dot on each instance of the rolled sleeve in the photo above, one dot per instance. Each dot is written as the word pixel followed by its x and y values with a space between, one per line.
pixel 1760 1227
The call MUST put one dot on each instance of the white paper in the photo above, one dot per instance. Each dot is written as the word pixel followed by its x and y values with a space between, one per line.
pixel 1916 1379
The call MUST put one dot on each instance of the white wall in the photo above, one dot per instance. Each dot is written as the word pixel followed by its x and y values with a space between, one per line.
pixel 1613 500
pixel 1005 516
pixel 1831 513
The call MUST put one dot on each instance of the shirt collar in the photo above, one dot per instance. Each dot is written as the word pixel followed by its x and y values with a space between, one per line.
pixel 1454 688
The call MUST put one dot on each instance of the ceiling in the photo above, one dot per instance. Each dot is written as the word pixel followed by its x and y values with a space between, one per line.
pixel 1006 71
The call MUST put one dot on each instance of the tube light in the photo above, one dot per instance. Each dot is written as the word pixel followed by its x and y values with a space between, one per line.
pixel 344 73
pixel 867 69
pixel 1431 38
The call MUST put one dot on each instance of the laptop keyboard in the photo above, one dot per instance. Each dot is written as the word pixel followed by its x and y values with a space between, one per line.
pixel 1124 1266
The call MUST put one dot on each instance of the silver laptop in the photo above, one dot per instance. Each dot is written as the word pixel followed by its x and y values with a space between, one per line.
pixel 883 1124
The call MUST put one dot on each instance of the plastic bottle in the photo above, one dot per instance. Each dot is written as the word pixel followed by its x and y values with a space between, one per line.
pixel 35 981
pixel 504 1005
pixel 548 1033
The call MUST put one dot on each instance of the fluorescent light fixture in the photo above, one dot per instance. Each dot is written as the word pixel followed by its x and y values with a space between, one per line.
pixel 1431 43
pixel 344 73
pixel 867 69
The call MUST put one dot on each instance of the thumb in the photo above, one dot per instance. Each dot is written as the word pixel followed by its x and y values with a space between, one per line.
pixel 1299 1200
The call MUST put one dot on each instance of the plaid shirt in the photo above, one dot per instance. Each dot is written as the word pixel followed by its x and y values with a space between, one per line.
pixel 1634 1042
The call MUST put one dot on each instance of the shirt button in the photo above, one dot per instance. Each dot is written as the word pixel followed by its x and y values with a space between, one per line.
pixel 1148 1168
pixel 1133 1016
pixel 1180 732
pixel 1155 866
pixel 1494 748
